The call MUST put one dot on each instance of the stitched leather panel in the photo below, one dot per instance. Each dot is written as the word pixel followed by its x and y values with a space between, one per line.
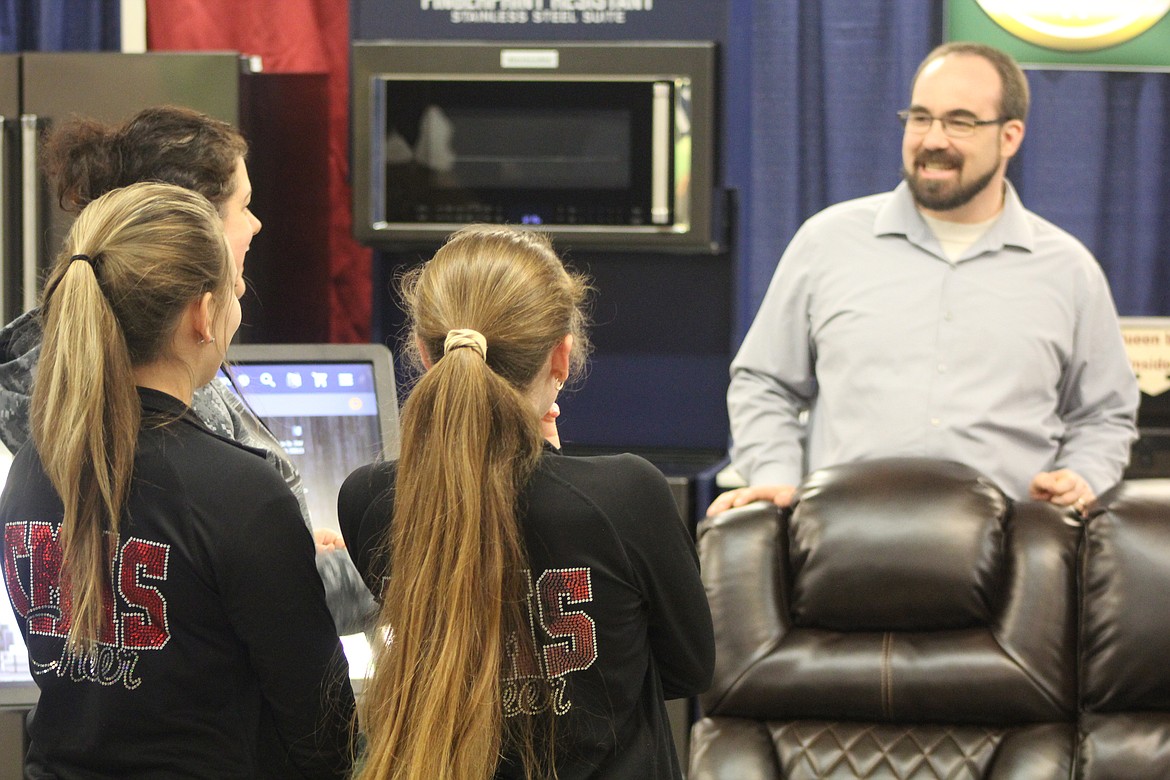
pixel 741 749
pixel 811 750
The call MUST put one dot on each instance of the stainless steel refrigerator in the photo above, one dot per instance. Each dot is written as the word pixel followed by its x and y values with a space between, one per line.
pixel 284 117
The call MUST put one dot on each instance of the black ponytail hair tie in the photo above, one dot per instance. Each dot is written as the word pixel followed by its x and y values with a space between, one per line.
pixel 94 263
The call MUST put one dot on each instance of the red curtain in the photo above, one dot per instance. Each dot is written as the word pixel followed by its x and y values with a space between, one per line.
pixel 292 36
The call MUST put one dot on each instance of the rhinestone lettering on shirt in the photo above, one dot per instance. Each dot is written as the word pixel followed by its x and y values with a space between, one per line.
pixel 536 669
pixel 135 619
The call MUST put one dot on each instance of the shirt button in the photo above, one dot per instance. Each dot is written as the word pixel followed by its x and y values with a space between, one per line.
pixel 935 422
pixel 947 316
pixel 942 368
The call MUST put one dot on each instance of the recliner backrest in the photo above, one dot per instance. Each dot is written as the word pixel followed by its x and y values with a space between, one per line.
pixel 1125 635
pixel 903 620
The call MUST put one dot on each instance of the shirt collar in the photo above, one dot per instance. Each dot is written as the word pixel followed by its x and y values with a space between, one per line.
pixel 158 402
pixel 160 409
pixel 900 216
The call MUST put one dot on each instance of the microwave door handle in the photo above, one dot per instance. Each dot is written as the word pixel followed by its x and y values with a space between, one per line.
pixel 30 213
pixel 660 154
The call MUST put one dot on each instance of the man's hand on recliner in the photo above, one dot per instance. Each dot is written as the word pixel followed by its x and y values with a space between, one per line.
pixel 1063 488
pixel 780 495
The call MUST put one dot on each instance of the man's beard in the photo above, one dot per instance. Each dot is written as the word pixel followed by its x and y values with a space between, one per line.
pixel 935 195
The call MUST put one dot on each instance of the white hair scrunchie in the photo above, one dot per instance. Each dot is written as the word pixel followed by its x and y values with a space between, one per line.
pixel 465 337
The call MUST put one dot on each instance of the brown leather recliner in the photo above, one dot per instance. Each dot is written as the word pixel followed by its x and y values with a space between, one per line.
pixel 905 620
pixel 1125 635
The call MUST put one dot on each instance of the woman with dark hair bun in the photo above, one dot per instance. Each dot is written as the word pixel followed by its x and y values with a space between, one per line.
pixel 84 159
pixel 539 608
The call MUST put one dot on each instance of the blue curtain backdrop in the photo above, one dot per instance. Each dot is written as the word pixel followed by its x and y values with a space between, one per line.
pixel 60 25
pixel 812 88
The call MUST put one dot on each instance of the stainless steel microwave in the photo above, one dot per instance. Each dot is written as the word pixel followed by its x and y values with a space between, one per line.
pixel 603 145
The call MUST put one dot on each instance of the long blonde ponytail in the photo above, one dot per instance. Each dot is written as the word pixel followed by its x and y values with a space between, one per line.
pixel 132 260
pixel 470 442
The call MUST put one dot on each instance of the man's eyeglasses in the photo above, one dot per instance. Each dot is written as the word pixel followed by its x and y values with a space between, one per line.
pixel 954 125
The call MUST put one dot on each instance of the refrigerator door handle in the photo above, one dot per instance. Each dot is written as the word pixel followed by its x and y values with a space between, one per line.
pixel 30 212
pixel 5 259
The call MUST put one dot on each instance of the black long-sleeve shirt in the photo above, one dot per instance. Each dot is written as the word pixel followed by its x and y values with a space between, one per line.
pixel 221 659
pixel 223 413
pixel 621 619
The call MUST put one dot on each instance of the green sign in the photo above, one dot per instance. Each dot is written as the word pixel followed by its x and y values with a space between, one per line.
pixel 1089 34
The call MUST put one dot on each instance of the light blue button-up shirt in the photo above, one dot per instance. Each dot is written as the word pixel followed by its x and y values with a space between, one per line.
pixel 1009 360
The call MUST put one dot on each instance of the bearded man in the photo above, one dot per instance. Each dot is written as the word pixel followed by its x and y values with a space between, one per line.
pixel 939 320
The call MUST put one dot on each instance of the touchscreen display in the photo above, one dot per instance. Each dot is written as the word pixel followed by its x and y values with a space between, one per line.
pixel 325 416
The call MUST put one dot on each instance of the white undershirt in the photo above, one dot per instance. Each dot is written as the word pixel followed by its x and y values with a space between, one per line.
pixel 956 237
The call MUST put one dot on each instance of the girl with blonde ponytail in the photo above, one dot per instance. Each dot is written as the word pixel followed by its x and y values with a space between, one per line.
pixel 537 607
pixel 84 158
pixel 159 573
